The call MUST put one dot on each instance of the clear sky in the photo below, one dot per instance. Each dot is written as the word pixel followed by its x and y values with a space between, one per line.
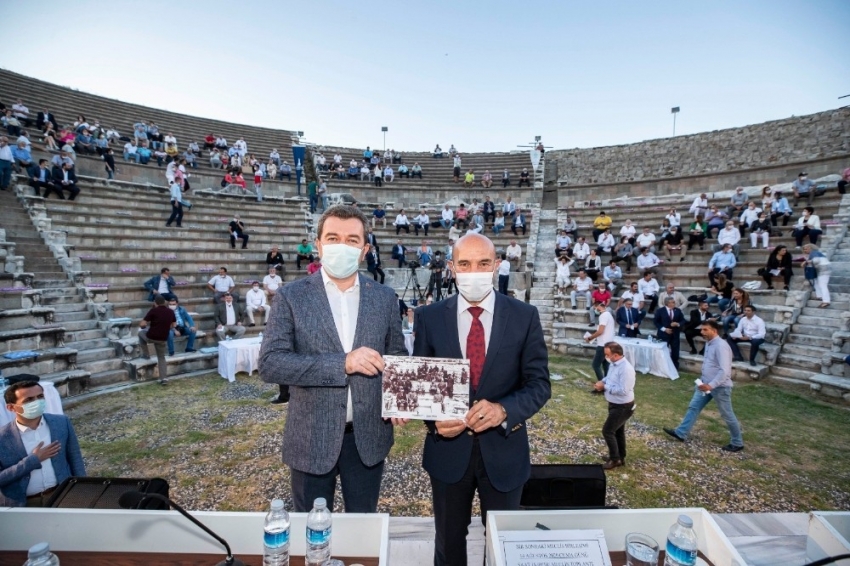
pixel 482 75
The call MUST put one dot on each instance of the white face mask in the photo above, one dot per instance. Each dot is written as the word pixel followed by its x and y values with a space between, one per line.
pixel 173 307
pixel 475 286
pixel 340 260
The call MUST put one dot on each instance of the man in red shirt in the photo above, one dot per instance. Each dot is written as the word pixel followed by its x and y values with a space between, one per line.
pixel 154 329
pixel 599 295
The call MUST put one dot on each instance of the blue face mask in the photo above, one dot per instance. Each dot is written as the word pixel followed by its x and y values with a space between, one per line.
pixel 33 409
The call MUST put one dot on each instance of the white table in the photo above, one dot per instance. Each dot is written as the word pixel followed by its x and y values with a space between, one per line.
pixel 51 397
pixel 238 355
pixel 408 342
pixel 648 357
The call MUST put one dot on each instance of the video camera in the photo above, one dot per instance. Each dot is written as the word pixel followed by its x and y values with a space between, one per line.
pixel 414 264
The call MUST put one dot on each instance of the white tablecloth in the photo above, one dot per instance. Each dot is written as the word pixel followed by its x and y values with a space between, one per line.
pixel 51 396
pixel 648 357
pixel 408 342
pixel 238 355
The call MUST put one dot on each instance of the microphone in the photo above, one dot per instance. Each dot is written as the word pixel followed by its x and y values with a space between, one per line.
pixel 134 499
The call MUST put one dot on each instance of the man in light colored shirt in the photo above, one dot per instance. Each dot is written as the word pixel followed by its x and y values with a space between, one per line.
pixel 581 250
pixel 750 215
pixel 715 383
pixel 6 162
pixel 737 203
pixel 722 262
pixel 613 276
pixel 421 222
pixel 255 301
pixel 647 261
pixel 750 329
pixel 509 207
pixel 699 207
pixel 514 255
pixel 803 187
pixel 221 284
pixel 645 239
pixel 670 291
pixel 37 451
pixel 633 294
pixel 581 286
pixel 131 151
pixel 388 174
pixel 447 217
pixel 604 334
pixel 271 283
pixel 648 288
pixel 619 388
pixel 729 235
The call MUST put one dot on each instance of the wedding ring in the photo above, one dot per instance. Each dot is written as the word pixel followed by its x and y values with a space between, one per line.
pixel 480 416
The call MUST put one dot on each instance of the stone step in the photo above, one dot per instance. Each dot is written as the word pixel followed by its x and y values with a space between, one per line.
pixel 80 325
pixel 94 354
pixel 822 321
pixel 818 313
pixel 74 316
pixel 789 372
pixel 807 340
pixel 92 344
pixel 805 350
pixel 831 385
pixel 83 335
pixel 800 362
pixel 107 378
pixel 809 329
pixel 789 380
pixel 103 364
pixel 70 307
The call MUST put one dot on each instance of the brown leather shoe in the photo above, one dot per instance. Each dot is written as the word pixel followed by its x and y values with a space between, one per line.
pixel 611 464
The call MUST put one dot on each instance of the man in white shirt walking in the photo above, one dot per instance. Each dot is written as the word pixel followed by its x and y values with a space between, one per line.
pixel 504 274
pixel 604 334
pixel 750 329
pixel 619 388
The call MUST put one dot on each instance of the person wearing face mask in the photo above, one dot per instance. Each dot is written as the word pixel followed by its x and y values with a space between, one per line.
pixel 185 326
pixel 255 301
pixel 803 187
pixel 619 388
pixel 487 449
pixel 326 339
pixel 237 230
pixel 38 451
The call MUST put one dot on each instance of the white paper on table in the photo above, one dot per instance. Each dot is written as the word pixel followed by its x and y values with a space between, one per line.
pixel 555 548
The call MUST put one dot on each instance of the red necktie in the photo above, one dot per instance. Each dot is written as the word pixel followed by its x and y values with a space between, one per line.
pixel 475 347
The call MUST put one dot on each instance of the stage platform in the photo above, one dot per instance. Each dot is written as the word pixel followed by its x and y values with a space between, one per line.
pixel 763 539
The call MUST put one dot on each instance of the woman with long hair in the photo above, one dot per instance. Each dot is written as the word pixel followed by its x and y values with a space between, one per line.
pixel 816 259
pixel 778 264
pixel 721 293
pixel 735 310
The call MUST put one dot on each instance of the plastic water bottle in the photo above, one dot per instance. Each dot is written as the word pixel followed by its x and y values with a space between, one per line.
pixel 681 543
pixel 40 555
pixel 276 536
pixel 261 336
pixel 318 534
pixel 3 382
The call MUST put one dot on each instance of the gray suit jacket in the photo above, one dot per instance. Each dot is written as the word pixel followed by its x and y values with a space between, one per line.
pixel 221 312
pixel 302 349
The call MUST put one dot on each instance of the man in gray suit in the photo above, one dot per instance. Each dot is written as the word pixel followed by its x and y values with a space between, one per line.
pixel 326 337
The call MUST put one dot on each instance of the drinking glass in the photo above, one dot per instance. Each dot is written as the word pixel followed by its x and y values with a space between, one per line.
pixel 641 550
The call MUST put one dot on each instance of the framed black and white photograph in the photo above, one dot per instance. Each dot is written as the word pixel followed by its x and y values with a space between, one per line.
pixel 433 389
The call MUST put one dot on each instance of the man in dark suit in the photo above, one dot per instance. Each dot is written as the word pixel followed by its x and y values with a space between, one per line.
pixel 161 284
pixel 37 451
pixel 228 318
pixel 64 179
pixel 488 209
pixel 628 318
pixel 692 328
pixel 398 253
pixel 43 118
pixel 373 264
pixel 372 241
pixel 326 338
pixel 669 321
pixel 41 177
pixel 488 449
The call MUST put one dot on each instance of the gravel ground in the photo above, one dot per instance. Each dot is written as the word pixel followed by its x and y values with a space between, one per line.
pixel 219 446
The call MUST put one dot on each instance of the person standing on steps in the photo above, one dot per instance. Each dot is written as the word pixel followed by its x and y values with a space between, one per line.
pixel 155 329
pixel 176 205
pixel 716 384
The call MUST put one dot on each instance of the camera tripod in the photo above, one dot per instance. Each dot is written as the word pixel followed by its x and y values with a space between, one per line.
pixel 413 281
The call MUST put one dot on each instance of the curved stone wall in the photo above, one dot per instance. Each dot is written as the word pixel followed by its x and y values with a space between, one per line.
pixel 793 140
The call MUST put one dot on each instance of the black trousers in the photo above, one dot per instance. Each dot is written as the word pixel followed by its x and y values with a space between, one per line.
pixel 244 244
pixel 36 184
pixel 614 429
pixel 674 341
pixel 452 504
pixel 690 334
pixel 375 271
pixel 176 214
pixel 435 285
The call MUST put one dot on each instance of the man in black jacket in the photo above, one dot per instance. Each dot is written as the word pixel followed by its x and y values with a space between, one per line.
pixel 237 230
pixel 373 264
pixel 64 179
pixel 692 328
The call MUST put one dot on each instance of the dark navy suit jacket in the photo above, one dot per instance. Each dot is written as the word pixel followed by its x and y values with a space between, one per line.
pixel 662 320
pixel 515 374
pixel 16 465
pixel 623 320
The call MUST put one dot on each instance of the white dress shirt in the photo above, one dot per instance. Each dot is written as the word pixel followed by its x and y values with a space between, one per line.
pixel 607 320
pixel 464 320
pixel 272 282
pixel 648 287
pixel 645 261
pixel 514 252
pixel 581 251
pixel 729 236
pixel 345 307
pixel 628 231
pixel 222 284
pixel 231 314
pixel 401 220
pixel 44 478
pixel 751 327
pixel 504 267
pixel 255 299
pixel 447 215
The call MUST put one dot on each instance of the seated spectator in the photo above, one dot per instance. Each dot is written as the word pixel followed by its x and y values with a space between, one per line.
pixel 488 209
pixel 766 198
pixel 49 138
pixel 84 143
pixel 807 225
pixel 803 187
pixel 154 137
pixel 645 239
pixel 509 207
pixel 623 251
pixel 581 286
pixel 304 252
pixel 664 230
pixel 601 223
pixel 750 215
pixel 720 293
pixel 140 132
pixel 635 295
pixel 593 265
pixel 647 261
pixel 397 157
pixel 700 206
pixel 696 234
pixel 673 218
pixel 22 158
pixel 367 154
pixel 64 179
pixel 424 253
pixel 170 139
pixel 737 203
pixel 438 152
pixel 722 262
pixel 462 216
pixel 160 157
pixel 314 266
pixel 398 253
pixel 255 301
pixel 45 119
pixel 518 224
pixel 628 230
pixel 403 171
pixel 161 285
pixel 416 171
pixel 778 265
pixel 285 171
pixel 563 244
pixel 524 178
pixel 21 112
pixel 605 243
pixel 648 289
pixel 233 177
pixel 33 467
pixel 221 143
pixel 215 158
pixel 514 255
pixel 401 223
pixel 716 220
pixel 452 150
pixel 670 292
pixel 750 329
pixel 760 229
pixel 562 274
pixel 209 141
pixel 476 226
pixel 581 249
pixel 221 284
pixel 272 282
pixel 40 178
pixel 131 151
pixel 340 172
pixel 101 144
pixel 446 217
pixel 379 214
pixel 498 223
pixel 171 150
pixel 421 222
pixel 365 173
pixel 613 275
pixel 454 232
pixel 674 244
pixel 12 124
pixel 194 148
pixel 185 326
pixel 275 259
pixel 61 159
pixel 228 318
pixel 506 178
pixel 570 227
pixel 66 136
pixel 487 179
pixel 601 295
pixel 469 179
pixel 780 209
pixel 729 235
pixel 144 154
pixel 237 231
pixel 388 174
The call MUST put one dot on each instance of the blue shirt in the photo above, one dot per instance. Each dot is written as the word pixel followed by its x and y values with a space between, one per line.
pixel 802 187
pixel 379 213
pixel 717 364
pixel 367 154
pixel 620 382
pixel 19 154
pixel 781 206
pixel 722 260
